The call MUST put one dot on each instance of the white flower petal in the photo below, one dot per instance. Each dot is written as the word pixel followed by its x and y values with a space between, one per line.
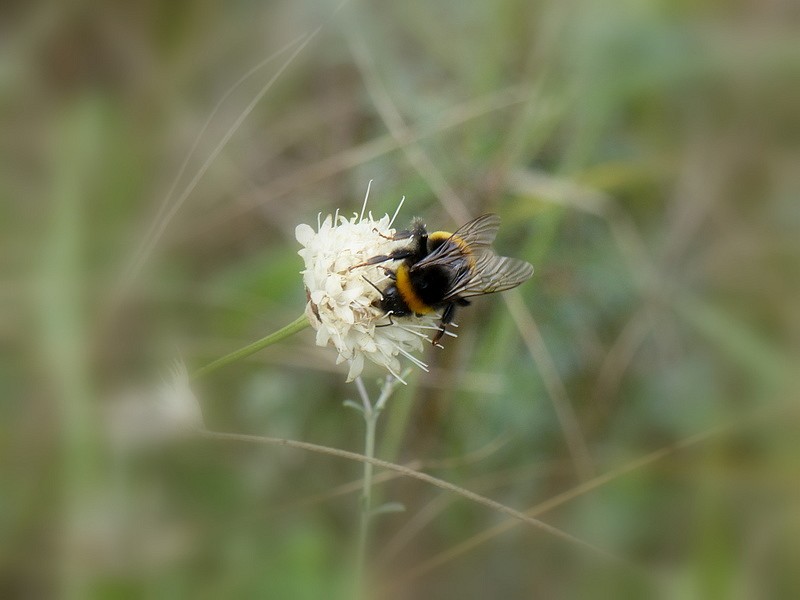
pixel 304 233
pixel 356 366
pixel 346 314
pixel 322 336
pixel 333 287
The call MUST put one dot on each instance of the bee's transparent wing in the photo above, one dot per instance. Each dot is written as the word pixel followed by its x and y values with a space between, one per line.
pixel 477 236
pixel 491 273
pixel 478 269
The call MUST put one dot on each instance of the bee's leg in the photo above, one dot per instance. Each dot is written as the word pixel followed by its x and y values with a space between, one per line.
pixel 398 235
pixel 388 316
pixel 376 260
pixel 447 317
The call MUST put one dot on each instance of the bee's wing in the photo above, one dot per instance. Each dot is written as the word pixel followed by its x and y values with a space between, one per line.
pixel 477 235
pixel 480 232
pixel 491 273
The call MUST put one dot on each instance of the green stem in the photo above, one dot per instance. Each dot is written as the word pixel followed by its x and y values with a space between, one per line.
pixel 297 325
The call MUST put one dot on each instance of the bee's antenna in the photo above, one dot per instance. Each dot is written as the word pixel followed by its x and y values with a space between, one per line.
pixel 377 289
pixel 366 197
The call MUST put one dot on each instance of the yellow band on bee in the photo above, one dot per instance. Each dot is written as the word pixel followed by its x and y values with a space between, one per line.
pixel 403 284
pixel 443 236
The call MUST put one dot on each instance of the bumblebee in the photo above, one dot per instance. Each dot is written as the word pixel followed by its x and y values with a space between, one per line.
pixel 441 270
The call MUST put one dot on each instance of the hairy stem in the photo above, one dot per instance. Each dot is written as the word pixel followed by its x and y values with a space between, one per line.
pixel 371 422
pixel 371 413
pixel 435 481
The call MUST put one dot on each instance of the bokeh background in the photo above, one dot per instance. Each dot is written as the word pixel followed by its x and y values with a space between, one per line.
pixel 640 391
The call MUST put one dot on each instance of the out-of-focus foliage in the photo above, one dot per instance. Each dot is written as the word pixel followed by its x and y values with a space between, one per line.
pixel 643 155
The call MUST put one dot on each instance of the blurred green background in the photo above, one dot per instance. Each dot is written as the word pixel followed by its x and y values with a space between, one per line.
pixel 643 156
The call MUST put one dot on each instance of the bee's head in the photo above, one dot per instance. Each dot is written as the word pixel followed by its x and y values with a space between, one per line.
pixel 417 228
pixel 392 301
pixel 419 235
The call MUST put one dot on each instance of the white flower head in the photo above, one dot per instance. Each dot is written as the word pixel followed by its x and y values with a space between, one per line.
pixel 147 416
pixel 176 403
pixel 343 302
